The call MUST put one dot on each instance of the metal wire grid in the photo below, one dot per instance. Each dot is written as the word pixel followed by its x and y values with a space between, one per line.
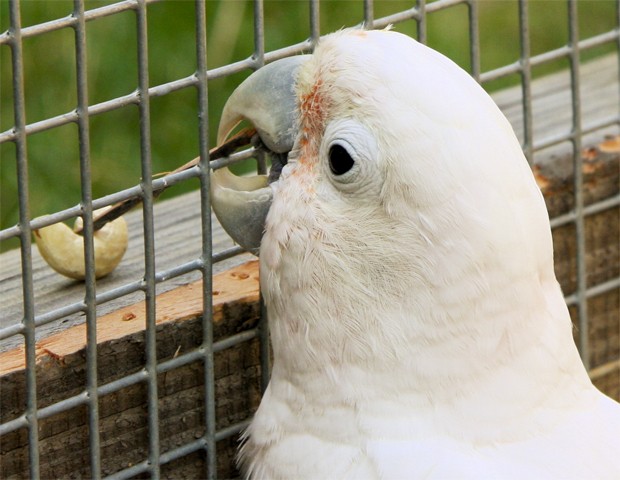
pixel 199 80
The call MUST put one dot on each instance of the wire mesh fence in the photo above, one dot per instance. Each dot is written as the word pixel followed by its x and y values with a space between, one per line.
pixel 19 140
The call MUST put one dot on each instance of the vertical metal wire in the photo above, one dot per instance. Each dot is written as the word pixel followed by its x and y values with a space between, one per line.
pixel 421 21
pixel 369 14
pixel 259 59
pixel 259 33
pixel 207 246
pixel 149 238
pixel 526 80
pixel 474 39
pixel 618 38
pixel 315 22
pixel 582 305
pixel 88 233
pixel 25 236
pixel 263 326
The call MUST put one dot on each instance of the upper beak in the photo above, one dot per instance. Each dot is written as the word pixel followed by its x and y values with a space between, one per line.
pixel 267 100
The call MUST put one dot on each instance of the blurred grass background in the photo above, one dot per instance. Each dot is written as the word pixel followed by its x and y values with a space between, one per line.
pixel 50 79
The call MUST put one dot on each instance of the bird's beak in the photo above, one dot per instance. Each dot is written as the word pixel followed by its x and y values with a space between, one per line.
pixel 267 100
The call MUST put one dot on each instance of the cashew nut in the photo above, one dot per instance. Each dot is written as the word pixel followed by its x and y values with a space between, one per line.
pixel 63 249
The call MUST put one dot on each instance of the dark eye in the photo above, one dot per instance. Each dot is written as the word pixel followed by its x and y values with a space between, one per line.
pixel 340 162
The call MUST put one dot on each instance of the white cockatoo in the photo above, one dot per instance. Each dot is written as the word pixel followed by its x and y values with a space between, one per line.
pixel 406 262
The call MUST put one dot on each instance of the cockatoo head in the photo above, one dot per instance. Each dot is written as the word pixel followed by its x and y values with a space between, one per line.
pixel 405 215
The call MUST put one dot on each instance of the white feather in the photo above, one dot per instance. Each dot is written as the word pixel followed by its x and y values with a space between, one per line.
pixel 417 326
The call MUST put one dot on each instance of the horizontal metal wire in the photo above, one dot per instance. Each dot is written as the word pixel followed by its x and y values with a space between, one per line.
pixel 128 193
pixel 589 210
pixel 183 450
pixel 130 472
pixel 71 21
pixel 552 140
pixel 232 430
pixel 414 13
pixel 11 330
pixel 61 406
pixel 598 289
pixel 550 56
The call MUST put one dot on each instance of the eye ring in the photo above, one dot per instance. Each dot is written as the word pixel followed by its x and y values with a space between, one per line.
pixel 350 156
pixel 340 160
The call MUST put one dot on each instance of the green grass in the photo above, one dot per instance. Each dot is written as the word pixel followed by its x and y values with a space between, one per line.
pixel 50 78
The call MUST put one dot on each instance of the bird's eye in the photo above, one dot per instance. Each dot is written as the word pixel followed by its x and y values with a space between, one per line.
pixel 349 156
pixel 340 161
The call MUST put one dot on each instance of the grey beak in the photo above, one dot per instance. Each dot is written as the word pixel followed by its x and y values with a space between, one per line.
pixel 266 99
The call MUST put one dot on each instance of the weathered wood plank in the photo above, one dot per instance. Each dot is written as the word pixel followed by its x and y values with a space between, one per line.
pixel 238 284
pixel 123 422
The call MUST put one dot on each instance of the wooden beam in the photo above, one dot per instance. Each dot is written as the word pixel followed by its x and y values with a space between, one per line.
pixel 238 285
pixel 60 371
